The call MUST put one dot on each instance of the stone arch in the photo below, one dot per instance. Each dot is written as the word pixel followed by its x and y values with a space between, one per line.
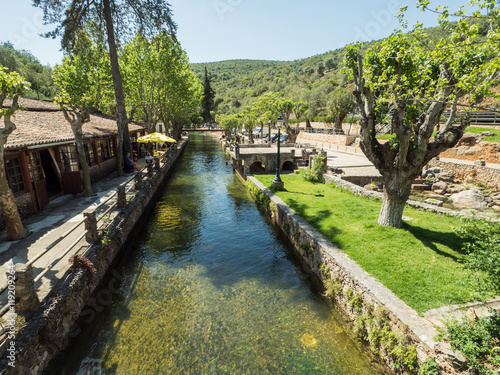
pixel 257 167
pixel 288 165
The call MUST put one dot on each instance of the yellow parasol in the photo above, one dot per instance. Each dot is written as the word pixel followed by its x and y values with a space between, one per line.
pixel 157 138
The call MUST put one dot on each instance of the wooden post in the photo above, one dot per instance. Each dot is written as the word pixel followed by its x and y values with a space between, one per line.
pixel 138 181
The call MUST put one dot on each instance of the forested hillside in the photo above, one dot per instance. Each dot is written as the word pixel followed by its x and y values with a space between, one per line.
pixel 30 68
pixel 314 80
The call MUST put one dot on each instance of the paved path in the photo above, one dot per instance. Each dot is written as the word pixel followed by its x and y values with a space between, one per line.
pixel 55 221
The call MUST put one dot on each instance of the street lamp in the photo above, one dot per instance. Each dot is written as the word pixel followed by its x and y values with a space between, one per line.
pixel 270 122
pixel 277 182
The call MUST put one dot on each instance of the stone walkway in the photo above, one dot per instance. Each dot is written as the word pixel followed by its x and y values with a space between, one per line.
pixel 63 218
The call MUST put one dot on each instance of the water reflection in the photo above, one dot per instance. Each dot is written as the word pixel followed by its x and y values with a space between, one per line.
pixel 208 289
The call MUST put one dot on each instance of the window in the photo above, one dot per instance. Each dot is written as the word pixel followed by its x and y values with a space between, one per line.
pixel 69 159
pixel 36 169
pixel 15 175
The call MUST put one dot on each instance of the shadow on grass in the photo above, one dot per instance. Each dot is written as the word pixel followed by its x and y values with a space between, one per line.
pixel 430 238
pixel 315 221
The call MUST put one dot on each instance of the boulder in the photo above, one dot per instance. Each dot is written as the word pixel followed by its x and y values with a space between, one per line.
pixel 434 202
pixel 434 170
pixel 488 134
pixel 440 187
pixel 447 177
pixel 472 198
pixel 461 150
pixel 473 150
pixel 468 139
pixel 455 189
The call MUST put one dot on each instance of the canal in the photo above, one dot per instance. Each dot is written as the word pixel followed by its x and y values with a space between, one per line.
pixel 208 288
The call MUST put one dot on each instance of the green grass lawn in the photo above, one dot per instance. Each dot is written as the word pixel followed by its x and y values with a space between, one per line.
pixel 420 263
pixel 470 129
pixel 475 130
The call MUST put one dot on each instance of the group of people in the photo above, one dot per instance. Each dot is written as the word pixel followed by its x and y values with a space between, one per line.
pixel 130 164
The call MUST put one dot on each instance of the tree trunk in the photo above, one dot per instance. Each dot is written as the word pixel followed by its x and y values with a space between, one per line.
pixel 292 134
pixel 308 123
pixel 396 192
pixel 124 145
pixel 15 228
pixel 176 130
pixel 87 184
pixel 338 124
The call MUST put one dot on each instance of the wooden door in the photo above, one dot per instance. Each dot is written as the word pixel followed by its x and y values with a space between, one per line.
pixel 38 177
pixel 70 170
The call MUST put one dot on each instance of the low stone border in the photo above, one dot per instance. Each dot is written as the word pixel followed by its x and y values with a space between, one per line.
pixel 481 173
pixel 395 331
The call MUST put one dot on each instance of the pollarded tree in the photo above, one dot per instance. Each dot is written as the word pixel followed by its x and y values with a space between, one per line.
pixel 341 104
pixel 419 82
pixel 12 85
pixel 115 19
pixel 249 118
pixel 230 123
pixel 299 110
pixel 80 88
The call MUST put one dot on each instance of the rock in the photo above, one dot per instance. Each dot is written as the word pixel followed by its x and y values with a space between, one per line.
pixel 496 208
pixel 488 134
pixel 470 198
pixel 420 187
pixel 473 150
pixel 461 150
pixel 434 170
pixel 448 177
pixel 434 202
pixel 479 163
pixel 471 315
pixel 456 188
pixel 454 357
pixel 468 139
pixel 371 187
pixel 440 187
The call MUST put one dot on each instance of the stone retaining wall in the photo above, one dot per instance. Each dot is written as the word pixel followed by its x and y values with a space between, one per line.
pixel 395 332
pixel 50 329
pixel 486 175
pixel 342 140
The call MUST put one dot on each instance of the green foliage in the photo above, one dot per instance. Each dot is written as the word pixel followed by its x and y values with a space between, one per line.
pixel 332 287
pixel 207 102
pixel 478 341
pixel 341 104
pixel 482 247
pixel 315 172
pixel 286 228
pixel 37 75
pixel 430 367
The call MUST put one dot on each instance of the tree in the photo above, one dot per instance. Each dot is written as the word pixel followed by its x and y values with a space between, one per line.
pixel 249 118
pixel 79 81
pixel 229 123
pixel 12 85
pixel 207 103
pixel 115 18
pixel 285 108
pixel 341 105
pixel 330 64
pixel 321 69
pixel 419 82
pixel 299 110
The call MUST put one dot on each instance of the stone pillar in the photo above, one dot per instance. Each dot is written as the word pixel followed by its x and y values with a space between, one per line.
pixel 138 181
pixel 122 197
pixel 150 170
pixel 157 162
pixel 90 225
pixel 26 298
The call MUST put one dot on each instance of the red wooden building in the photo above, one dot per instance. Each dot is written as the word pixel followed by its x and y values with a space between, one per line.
pixel 41 158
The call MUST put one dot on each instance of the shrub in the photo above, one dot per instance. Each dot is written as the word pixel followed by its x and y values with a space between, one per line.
pixel 481 243
pixel 316 170
pixel 478 341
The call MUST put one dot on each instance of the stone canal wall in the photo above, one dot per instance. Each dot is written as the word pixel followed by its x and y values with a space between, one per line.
pixel 52 326
pixel 392 329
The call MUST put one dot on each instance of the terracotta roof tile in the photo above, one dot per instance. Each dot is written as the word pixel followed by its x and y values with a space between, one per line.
pixel 43 127
pixel 33 104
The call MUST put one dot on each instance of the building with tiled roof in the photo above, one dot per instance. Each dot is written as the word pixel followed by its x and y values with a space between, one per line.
pixel 41 157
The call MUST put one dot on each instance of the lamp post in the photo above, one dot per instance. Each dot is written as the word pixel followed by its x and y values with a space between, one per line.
pixel 270 122
pixel 277 182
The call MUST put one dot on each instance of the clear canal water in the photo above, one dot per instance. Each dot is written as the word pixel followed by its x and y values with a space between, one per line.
pixel 208 288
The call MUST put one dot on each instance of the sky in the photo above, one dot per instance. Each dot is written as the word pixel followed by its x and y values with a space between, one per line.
pixel 216 30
